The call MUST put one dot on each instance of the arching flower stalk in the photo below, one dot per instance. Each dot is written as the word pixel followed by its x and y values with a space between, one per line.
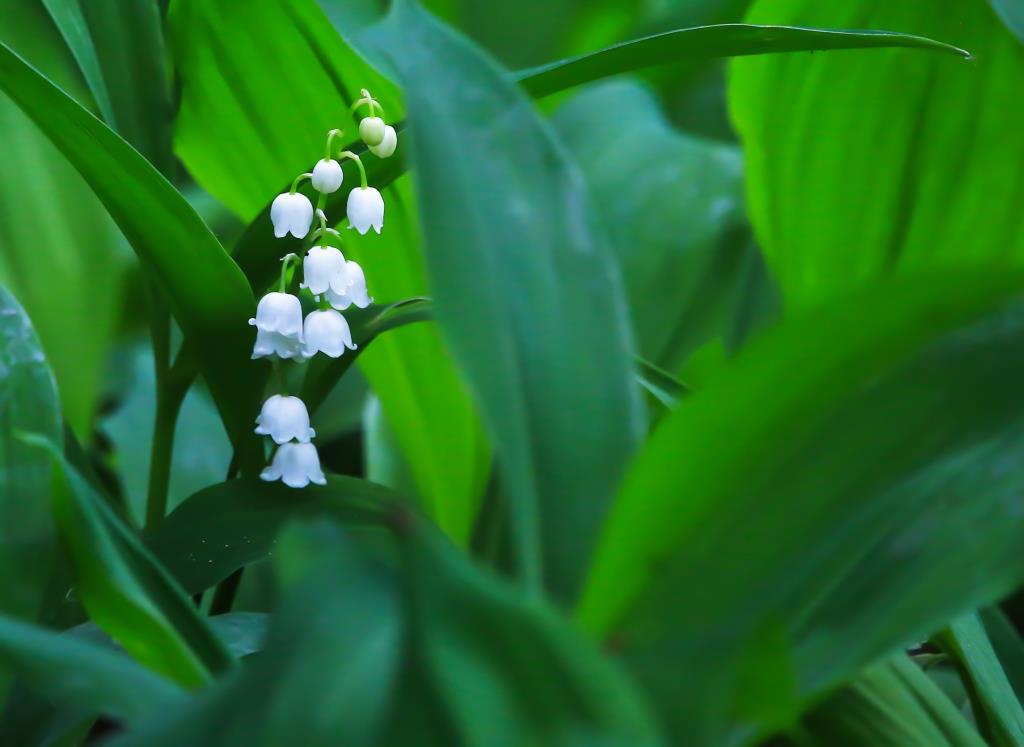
pixel 331 284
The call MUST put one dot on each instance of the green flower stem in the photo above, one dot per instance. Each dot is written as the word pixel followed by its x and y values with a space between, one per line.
pixel 286 263
pixel 299 178
pixel 171 392
pixel 359 162
pixel 330 140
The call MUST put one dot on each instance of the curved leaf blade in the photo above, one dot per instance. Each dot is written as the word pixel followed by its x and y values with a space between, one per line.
pixel 208 294
pixel 720 40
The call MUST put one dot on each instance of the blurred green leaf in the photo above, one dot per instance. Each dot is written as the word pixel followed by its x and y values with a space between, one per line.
pixel 995 703
pixel 206 291
pixel 263 109
pixel 851 181
pixel 724 40
pixel 201 452
pixel 1008 645
pixel 673 205
pixel 526 293
pixel 82 675
pixel 890 704
pixel 660 384
pixel 28 401
pixel 746 510
pixel 125 590
pixel 510 671
pixel 327 671
pixel 1012 13
pixel 69 18
pixel 228 526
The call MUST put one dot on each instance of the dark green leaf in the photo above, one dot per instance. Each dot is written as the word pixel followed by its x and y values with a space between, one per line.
pixel 67 15
pixel 327 671
pixel 723 40
pixel 82 675
pixel 747 510
pixel 843 191
pixel 208 294
pixel 125 590
pixel 1008 645
pixel 525 289
pixel 227 526
pixel 661 385
pixel 995 702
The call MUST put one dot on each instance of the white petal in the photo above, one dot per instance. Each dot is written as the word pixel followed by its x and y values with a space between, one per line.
pixel 296 465
pixel 340 301
pixel 284 419
pixel 275 344
pixel 356 285
pixel 387 146
pixel 365 209
pixel 327 176
pixel 281 313
pixel 371 130
pixel 322 266
pixel 279 214
pixel 300 215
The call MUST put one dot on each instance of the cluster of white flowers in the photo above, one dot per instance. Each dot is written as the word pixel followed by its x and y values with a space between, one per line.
pixel 333 283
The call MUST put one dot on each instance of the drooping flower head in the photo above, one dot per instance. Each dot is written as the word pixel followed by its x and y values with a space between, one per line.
pixel 327 332
pixel 296 465
pixel 352 292
pixel 323 267
pixel 284 419
pixel 278 323
pixel 387 145
pixel 327 176
pixel 371 130
pixel 365 209
pixel 291 212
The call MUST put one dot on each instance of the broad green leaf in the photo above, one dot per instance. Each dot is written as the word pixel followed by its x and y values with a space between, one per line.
pixel 74 302
pixel 890 704
pixel 423 398
pixel 1008 645
pixel 125 590
pixel 67 15
pixel 722 40
pixel 673 205
pixel 206 291
pixel 995 703
pixel 328 669
pixel 225 527
pixel 748 512
pixel 261 85
pixel 1012 13
pixel 82 675
pixel 865 168
pixel 526 293
pixel 242 633
pixel 511 671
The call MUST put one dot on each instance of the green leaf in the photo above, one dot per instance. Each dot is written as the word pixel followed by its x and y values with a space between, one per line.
pixel 890 704
pixel 82 675
pixel 722 40
pixel 328 669
pixel 206 291
pixel 660 384
pixel 525 290
pixel 745 510
pixel 1012 13
pixel 262 110
pixel 125 590
pixel 67 15
pixel 225 527
pixel 854 181
pixel 995 702
pixel 1008 645
pixel 473 634
pixel 673 205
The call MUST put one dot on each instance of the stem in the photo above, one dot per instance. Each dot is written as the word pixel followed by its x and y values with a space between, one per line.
pixel 224 596
pixel 359 162
pixel 286 262
pixel 330 139
pixel 168 405
pixel 299 178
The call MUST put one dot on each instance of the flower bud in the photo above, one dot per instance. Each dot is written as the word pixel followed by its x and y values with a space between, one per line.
pixel 371 130
pixel 327 176
pixel 387 146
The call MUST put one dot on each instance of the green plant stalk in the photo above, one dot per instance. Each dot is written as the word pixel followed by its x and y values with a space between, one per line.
pixel 168 405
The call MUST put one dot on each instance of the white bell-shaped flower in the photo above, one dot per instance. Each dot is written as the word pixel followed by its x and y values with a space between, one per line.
pixel 327 332
pixel 284 419
pixel 365 209
pixel 353 291
pixel 291 213
pixel 387 146
pixel 323 267
pixel 371 130
pixel 327 176
pixel 296 465
pixel 281 313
